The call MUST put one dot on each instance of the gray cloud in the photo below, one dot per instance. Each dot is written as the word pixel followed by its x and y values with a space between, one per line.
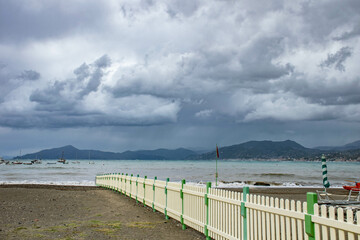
pixel 29 75
pixel 23 21
pixel 336 60
pixel 349 34
pixel 80 102
pixel 179 66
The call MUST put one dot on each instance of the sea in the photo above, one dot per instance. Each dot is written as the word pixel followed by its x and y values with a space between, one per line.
pixel 231 173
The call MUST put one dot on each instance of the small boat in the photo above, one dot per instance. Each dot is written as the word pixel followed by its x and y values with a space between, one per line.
pixel 36 161
pixel 62 159
pixel 16 163
pixel 355 188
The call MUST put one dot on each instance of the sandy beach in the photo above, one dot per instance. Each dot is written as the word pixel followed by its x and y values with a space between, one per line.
pixel 68 212
pixel 78 212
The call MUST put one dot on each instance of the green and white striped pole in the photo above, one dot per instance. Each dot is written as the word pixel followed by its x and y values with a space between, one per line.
pixel 324 172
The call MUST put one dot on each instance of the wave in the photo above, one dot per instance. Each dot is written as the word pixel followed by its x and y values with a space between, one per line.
pixel 68 183
pixel 275 175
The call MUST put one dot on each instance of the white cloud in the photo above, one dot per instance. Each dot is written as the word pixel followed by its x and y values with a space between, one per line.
pixel 204 113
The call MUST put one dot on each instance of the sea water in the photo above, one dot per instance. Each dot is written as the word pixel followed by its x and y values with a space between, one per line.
pixel 232 173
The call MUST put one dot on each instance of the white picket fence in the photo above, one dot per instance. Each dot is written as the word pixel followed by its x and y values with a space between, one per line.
pixel 222 214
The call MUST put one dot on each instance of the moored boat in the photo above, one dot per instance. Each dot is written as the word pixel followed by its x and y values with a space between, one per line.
pixel 16 163
pixel 62 159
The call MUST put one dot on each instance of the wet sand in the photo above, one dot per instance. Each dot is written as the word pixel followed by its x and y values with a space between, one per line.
pixel 77 212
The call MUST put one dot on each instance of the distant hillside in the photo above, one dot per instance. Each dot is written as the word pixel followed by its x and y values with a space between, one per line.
pixel 249 150
pixel 261 150
pixel 349 146
pixel 71 152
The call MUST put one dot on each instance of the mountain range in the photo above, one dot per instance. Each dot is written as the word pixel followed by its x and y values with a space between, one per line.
pixel 70 152
pixel 286 150
pixel 262 150
pixel 349 146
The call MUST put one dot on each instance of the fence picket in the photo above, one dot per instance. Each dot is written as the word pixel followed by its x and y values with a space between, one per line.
pixel 317 225
pixel 332 216
pixel 282 220
pixel 293 221
pixel 300 227
pixel 358 222
pixel 277 220
pixel 268 223
pixel 350 219
pixel 340 214
pixel 272 219
pixel 324 229
pixel 287 220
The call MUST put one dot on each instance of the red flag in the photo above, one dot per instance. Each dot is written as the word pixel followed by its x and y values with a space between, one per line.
pixel 217 152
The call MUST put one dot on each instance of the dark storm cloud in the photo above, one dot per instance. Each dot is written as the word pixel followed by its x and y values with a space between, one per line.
pixel 355 32
pixel 29 75
pixel 187 68
pixel 336 60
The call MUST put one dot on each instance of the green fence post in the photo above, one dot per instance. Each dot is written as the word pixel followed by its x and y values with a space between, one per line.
pixel 182 204
pixel 206 231
pixel 125 183
pixel 112 181
pixel 122 174
pixel 311 199
pixel 118 183
pixel 137 178
pixel 130 185
pixel 166 198
pixel 243 211
pixel 144 202
pixel 110 176
pixel 153 203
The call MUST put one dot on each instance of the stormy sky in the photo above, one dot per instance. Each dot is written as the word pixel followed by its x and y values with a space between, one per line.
pixel 143 74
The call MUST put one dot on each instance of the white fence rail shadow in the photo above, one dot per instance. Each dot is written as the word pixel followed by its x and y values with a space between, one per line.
pixel 222 214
